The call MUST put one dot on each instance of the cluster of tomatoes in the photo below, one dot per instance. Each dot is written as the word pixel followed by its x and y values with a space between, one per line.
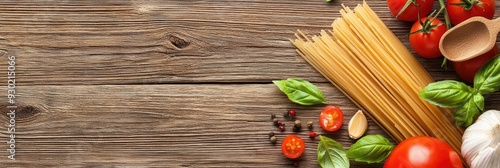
pixel 427 29
pixel 330 120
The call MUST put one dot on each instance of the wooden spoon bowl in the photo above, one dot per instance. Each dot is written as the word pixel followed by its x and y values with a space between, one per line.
pixel 469 39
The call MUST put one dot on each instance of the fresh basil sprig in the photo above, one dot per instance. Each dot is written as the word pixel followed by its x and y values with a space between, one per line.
pixel 370 149
pixel 301 91
pixel 447 93
pixel 331 154
pixel 468 101
pixel 487 79
pixel 465 114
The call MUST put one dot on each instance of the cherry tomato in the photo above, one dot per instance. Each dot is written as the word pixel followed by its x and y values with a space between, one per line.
pixel 424 38
pixel 293 146
pixel 467 69
pixel 410 14
pixel 460 10
pixel 331 118
pixel 423 152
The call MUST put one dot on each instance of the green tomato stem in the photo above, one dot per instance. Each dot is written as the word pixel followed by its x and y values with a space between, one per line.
pixel 446 17
pixel 447 22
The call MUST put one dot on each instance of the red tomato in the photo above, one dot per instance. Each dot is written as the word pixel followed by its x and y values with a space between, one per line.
pixel 423 152
pixel 293 146
pixel 424 39
pixel 467 69
pixel 331 118
pixel 459 11
pixel 410 14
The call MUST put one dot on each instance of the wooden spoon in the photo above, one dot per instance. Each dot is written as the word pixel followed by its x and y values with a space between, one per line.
pixel 471 38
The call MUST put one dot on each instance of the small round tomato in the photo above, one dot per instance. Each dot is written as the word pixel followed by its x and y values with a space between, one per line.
pixel 460 10
pixel 466 70
pixel 410 14
pixel 425 35
pixel 423 152
pixel 331 118
pixel 293 146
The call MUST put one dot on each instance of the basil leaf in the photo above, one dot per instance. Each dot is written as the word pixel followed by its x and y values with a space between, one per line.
pixel 465 115
pixel 446 93
pixel 370 149
pixel 479 101
pixel 301 91
pixel 487 79
pixel 331 154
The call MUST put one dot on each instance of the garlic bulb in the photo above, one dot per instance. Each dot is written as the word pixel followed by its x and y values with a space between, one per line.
pixel 481 141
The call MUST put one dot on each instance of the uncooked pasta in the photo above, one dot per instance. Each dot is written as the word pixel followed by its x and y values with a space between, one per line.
pixel 369 64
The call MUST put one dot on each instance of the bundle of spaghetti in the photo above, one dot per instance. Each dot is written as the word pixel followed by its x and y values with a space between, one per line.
pixel 369 64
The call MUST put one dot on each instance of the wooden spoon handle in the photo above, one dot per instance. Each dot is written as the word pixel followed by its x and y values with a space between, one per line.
pixel 495 24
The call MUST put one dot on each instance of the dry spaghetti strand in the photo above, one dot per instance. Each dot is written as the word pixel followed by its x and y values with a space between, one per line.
pixel 369 64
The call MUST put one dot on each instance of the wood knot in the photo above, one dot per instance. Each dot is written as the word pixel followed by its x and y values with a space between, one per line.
pixel 20 113
pixel 26 111
pixel 178 42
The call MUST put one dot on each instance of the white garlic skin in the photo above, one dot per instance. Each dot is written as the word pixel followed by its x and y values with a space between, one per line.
pixel 481 141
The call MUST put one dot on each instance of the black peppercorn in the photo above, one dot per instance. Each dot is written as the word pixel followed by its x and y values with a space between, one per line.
pixel 286 114
pixel 273 116
pixel 271 134
pixel 295 129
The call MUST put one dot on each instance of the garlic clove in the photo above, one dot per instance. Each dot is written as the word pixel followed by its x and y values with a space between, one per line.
pixel 357 125
pixel 488 158
pixel 474 141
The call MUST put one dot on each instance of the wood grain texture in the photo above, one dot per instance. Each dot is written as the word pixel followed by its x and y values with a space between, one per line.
pixel 135 42
pixel 165 83
pixel 161 126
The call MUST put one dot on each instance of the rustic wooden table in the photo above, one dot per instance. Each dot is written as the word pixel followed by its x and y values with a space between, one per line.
pixel 165 83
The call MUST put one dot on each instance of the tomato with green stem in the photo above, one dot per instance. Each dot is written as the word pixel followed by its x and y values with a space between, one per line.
pixel 423 152
pixel 410 10
pixel 293 146
pixel 331 118
pixel 425 35
pixel 466 70
pixel 460 10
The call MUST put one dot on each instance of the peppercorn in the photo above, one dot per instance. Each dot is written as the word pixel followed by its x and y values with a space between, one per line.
pixel 280 123
pixel 273 116
pixel 292 113
pixel 276 122
pixel 271 134
pixel 310 124
pixel 298 124
pixel 295 129
pixel 296 164
pixel 273 139
pixel 282 128
pixel 312 135
pixel 286 114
